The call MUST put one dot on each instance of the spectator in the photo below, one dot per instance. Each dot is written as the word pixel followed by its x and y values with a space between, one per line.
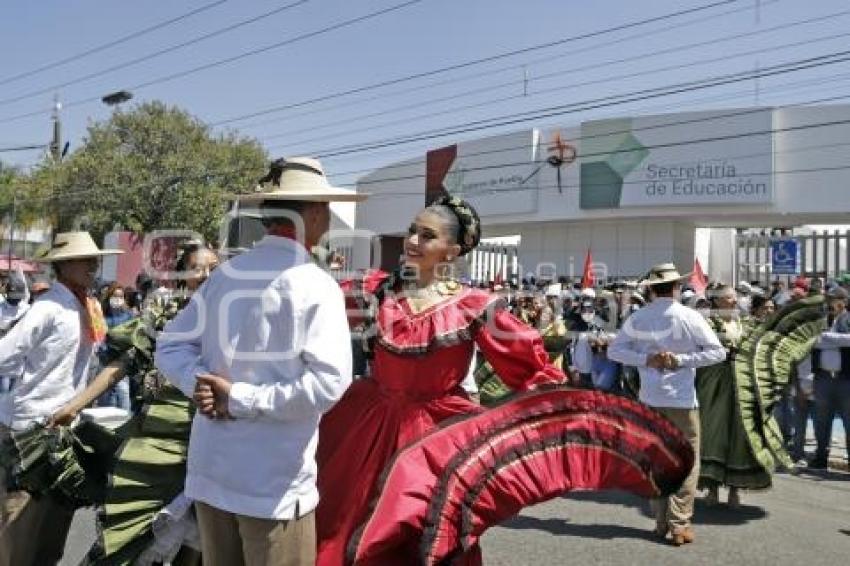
pixel 115 307
pixel 831 366
pixel 761 308
pixel 16 303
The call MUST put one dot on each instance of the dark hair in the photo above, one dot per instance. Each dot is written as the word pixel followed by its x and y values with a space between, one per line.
pixel 665 289
pixel 758 302
pixel 106 294
pixel 280 212
pixel 131 296
pixel 184 252
pixel 461 220
pixel 187 249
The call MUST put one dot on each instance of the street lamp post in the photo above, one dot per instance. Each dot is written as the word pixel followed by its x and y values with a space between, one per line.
pixel 117 97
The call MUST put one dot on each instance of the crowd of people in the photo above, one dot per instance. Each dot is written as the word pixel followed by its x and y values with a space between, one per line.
pixel 280 416
pixel 586 319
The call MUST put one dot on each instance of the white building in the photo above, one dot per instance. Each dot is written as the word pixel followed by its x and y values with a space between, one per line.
pixel 635 191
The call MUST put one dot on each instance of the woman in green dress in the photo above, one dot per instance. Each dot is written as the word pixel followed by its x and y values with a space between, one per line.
pixel 149 468
pixel 726 458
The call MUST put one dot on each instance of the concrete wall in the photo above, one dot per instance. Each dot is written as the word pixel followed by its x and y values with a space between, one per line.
pixel 810 171
pixel 618 248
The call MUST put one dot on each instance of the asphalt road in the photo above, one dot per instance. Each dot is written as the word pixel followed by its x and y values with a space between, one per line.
pixel 803 520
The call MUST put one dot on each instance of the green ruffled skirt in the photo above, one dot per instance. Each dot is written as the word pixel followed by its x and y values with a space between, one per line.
pixel 149 472
pixel 726 457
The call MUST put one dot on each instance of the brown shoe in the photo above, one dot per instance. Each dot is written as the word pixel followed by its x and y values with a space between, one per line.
pixel 683 536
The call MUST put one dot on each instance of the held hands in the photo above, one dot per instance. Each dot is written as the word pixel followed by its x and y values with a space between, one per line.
pixel 63 417
pixel 662 361
pixel 212 396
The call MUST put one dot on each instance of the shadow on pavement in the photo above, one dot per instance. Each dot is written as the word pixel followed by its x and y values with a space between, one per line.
pixel 562 527
pixel 722 514
pixel 823 475
pixel 609 498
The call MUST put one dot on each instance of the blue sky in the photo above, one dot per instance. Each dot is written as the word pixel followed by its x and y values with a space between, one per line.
pixel 424 36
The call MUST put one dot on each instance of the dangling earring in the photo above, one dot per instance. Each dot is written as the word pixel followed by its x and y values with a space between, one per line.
pixel 444 271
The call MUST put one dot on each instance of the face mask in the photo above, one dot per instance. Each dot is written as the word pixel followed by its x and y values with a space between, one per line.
pixel 588 316
pixel 116 302
pixel 704 312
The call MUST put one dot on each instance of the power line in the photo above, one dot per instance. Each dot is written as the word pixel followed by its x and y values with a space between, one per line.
pixel 22 147
pixel 112 43
pixel 245 54
pixel 572 52
pixel 219 62
pixel 206 175
pixel 571 86
pixel 808 84
pixel 549 112
pixel 471 63
pixel 125 64
pixel 711 139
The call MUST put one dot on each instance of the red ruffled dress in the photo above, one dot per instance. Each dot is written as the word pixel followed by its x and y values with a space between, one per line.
pixel 404 451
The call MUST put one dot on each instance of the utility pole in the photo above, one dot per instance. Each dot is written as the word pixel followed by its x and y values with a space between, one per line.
pixel 56 143
pixel 12 229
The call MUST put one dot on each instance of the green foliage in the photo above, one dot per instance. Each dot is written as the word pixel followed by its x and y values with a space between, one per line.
pixel 154 167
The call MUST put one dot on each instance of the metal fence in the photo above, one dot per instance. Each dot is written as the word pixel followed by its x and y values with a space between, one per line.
pixel 823 254
pixel 489 262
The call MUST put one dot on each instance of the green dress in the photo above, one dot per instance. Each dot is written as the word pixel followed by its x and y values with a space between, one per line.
pixel 491 388
pixel 725 455
pixel 131 473
pixel 741 442
pixel 149 468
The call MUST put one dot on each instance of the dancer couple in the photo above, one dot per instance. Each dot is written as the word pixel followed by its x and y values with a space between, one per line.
pixel 408 468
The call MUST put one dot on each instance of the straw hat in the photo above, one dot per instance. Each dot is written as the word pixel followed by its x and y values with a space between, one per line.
pixel 663 273
pixel 297 178
pixel 73 245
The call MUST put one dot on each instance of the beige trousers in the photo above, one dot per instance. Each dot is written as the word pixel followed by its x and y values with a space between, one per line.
pixel 675 512
pixel 32 529
pixel 236 540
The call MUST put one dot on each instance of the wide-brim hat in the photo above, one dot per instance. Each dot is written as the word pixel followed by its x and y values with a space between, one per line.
pixel 297 178
pixel 73 245
pixel 663 273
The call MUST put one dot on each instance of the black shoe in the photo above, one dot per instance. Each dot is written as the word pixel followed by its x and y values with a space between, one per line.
pixel 818 464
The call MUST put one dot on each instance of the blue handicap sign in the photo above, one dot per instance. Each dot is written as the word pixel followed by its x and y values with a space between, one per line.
pixel 784 257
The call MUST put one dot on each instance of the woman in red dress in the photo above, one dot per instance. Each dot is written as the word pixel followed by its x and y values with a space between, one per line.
pixel 411 470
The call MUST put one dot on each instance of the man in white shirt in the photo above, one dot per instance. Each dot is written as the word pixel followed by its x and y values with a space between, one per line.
pixel 667 341
pixel 264 348
pixel 831 366
pixel 44 360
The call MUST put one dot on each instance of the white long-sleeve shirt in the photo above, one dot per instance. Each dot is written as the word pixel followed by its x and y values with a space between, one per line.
pixel 44 358
pixel 665 325
pixel 831 342
pixel 274 324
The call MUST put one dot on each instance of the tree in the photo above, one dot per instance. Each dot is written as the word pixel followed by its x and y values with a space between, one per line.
pixel 154 167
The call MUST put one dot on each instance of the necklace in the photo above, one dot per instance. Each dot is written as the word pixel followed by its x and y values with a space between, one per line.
pixel 421 298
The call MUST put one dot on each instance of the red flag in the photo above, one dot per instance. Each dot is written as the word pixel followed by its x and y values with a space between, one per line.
pixel 588 280
pixel 498 281
pixel 699 280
